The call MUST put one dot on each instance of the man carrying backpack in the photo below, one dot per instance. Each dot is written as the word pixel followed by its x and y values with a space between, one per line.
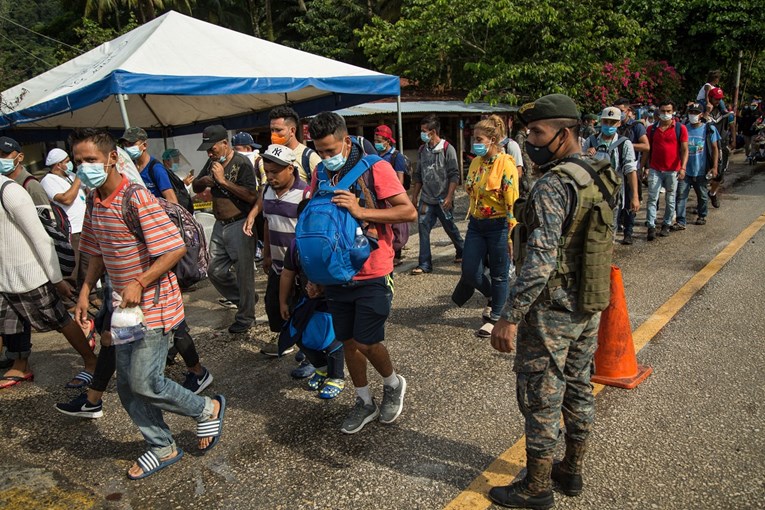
pixel 718 115
pixel 360 308
pixel 556 332
pixel 666 162
pixel 619 152
pixel 385 145
pixel 703 154
pixel 156 177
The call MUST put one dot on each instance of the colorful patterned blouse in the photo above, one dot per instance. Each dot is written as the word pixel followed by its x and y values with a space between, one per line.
pixel 493 188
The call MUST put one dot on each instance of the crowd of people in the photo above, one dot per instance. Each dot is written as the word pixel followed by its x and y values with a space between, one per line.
pixel 509 253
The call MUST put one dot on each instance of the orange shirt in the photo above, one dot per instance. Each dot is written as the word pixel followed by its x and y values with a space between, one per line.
pixel 105 233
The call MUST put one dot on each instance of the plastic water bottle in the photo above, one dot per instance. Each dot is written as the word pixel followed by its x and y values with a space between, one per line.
pixel 127 334
pixel 360 241
pixel 127 323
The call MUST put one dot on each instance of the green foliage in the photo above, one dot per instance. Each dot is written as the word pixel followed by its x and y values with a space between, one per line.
pixel 324 29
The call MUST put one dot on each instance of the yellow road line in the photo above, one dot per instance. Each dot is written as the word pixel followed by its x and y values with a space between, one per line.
pixel 505 468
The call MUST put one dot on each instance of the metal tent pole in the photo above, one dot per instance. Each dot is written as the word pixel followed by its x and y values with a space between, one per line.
pixel 400 125
pixel 123 110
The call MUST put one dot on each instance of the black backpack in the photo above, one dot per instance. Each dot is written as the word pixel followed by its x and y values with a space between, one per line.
pixel 184 200
pixel 408 163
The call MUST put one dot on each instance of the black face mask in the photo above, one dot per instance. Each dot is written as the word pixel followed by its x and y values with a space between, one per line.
pixel 541 154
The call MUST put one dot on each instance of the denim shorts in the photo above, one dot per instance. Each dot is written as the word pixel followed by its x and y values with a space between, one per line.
pixel 359 310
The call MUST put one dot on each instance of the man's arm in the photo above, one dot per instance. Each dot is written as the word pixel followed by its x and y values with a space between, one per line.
pixel 170 196
pixel 401 209
pixel 132 294
pixel 715 155
pixel 642 144
pixel 69 195
pixel 242 193
pixel 203 180
pixel 95 271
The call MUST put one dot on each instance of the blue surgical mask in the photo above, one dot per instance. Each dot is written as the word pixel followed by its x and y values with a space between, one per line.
pixel 380 147
pixel 424 136
pixel 335 163
pixel 92 175
pixel 134 152
pixel 608 130
pixel 7 166
pixel 69 167
pixel 624 116
pixel 480 149
pixel 174 167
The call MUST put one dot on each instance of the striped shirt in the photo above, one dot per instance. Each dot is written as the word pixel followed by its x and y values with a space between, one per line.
pixel 105 233
pixel 281 214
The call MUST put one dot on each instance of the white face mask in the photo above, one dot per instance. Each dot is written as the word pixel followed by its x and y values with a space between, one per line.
pixel 694 119
pixel 666 117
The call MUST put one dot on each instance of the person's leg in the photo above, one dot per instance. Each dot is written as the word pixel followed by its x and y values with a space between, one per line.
pixel 76 339
pixel 219 270
pixel 242 250
pixel 683 189
pixel 702 195
pixel 76 276
pixel 473 270
pixel 451 230
pixel 19 348
pixel 654 186
pixel 669 181
pixel 425 221
pixel 186 348
pixel 499 265
pixel 273 311
pixel 335 361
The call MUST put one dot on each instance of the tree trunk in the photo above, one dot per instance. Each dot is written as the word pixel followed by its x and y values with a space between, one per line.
pixel 302 6
pixel 269 20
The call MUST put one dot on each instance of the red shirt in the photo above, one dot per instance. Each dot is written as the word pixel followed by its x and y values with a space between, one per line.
pixel 105 233
pixel 665 148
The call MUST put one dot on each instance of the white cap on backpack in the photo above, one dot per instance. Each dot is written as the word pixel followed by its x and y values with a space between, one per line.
pixel 55 155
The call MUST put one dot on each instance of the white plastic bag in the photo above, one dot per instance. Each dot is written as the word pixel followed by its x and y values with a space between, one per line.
pixel 127 323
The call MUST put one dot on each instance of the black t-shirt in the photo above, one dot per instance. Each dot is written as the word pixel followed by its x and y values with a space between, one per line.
pixel 239 171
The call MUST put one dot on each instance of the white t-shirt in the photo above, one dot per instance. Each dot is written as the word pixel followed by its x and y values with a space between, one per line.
pixel 53 185
pixel 514 150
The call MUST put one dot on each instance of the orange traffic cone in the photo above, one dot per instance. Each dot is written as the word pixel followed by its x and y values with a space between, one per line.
pixel 615 361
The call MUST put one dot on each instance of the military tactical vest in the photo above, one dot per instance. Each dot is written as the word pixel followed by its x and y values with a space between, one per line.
pixel 586 245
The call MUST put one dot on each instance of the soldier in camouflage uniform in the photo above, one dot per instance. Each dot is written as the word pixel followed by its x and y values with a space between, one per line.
pixel 556 343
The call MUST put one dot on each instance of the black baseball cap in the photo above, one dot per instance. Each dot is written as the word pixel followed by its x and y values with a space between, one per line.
pixel 8 145
pixel 212 135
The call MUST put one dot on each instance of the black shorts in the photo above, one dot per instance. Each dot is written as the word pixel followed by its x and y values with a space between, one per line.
pixel 359 310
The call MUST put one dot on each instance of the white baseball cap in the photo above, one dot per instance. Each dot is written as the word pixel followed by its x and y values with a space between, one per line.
pixel 55 155
pixel 612 113
pixel 279 154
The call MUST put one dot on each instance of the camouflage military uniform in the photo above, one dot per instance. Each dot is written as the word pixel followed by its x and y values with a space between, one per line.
pixel 555 343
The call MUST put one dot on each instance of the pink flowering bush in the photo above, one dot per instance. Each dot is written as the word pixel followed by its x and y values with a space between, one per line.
pixel 641 82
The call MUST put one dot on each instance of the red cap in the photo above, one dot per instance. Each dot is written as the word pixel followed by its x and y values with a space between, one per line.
pixel 716 93
pixel 385 132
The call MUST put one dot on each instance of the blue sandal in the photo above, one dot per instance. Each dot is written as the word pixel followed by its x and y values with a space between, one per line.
pixel 150 464
pixel 317 380
pixel 85 379
pixel 332 388
pixel 212 428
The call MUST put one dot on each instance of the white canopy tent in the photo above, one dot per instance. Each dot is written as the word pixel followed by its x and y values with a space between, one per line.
pixel 182 73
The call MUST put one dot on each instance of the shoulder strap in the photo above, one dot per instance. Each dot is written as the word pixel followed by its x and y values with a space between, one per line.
pixel 26 181
pixel 130 213
pixel 357 171
pixel 2 188
pixel 678 131
pixel 306 160
pixel 593 140
pixel 607 196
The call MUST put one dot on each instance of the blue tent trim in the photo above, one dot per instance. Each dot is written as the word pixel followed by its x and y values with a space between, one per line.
pixel 363 88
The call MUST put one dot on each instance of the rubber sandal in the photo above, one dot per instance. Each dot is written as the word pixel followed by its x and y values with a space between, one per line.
pixel 332 388
pixel 485 330
pixel 419 270
pixel 212 428
pixel 85 379
pixel 150 464
pixel 13 380
pixel 317 380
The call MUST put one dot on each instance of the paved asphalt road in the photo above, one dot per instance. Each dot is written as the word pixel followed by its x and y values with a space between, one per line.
pixel 691 436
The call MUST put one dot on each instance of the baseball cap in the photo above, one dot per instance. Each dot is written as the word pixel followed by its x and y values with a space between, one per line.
pixel 133 134
pixel 551 106
pixel 695 107
pixel 170 153
pixel 622 101
pixel 385 132
pixel 611 113
pixel 243 138
pixel 279 154
pixel 212 135
pixel 55 155
pixel 9 145
pixel 716 93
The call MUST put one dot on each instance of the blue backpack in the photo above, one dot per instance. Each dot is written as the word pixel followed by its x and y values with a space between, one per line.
pixel 325 233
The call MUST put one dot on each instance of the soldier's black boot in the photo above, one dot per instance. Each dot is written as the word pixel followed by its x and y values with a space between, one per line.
pixel 533 491
pixel 567 474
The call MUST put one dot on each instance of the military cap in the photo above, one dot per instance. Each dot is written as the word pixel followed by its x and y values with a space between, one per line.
pixel 551 106
pixel 133 134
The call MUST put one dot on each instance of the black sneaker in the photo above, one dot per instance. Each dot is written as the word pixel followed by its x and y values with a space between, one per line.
pixel 238 327
pixel 701 221
pixel 715 200
pixel 81 408
pixel 197 383
pixel 677 226
pixel 664 232
pixel 651 233
pixel 627 239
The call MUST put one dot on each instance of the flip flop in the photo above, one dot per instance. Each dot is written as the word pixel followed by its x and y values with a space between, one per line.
pixel 150 464
pixel 212 428
pixel 13 380
pixel 85 379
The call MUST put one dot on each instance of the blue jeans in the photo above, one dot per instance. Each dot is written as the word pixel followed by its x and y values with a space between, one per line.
pixel 657 180
pixel 428 214
pixel 145 391
pixel 699 185
pixel 231 247
pixel 487 237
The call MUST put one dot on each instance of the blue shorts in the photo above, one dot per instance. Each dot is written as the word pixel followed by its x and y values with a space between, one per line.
pixel 359 310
